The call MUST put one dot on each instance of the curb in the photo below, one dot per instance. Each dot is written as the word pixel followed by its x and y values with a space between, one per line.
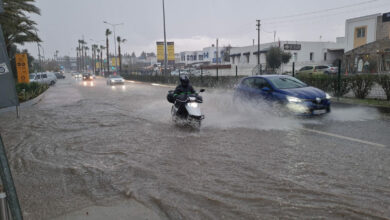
pixel 359 104
pixel 26 104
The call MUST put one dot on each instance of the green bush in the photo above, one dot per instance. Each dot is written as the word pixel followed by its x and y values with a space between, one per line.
pixel 320 81
pixel 384 81
pixel 27 91
pixel 345 86
pixel 361 84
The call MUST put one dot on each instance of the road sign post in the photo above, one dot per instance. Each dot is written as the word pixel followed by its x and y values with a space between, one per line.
pixel 22 67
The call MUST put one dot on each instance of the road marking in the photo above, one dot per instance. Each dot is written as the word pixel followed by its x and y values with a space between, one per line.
pixel 344 137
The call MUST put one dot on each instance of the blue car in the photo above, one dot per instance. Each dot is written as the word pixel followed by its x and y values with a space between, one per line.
pixel 297 96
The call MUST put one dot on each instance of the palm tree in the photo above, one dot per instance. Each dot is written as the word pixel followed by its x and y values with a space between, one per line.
pixel 86 48
pixel 98 57
pixel 119 51
pixel 101 57
pixel 94 48
pixel 78 57
pixel 16 23
pixel 108 32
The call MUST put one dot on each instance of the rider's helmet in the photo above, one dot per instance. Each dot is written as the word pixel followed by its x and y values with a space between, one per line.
pixel 184 80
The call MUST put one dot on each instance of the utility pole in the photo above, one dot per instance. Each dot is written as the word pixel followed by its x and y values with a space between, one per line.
pixel 165 40
pixel 258 45
pixel 216 61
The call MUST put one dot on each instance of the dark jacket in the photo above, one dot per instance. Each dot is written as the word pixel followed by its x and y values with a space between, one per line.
pixel 181 90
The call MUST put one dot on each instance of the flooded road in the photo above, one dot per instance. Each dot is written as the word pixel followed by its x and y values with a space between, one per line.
pixel 90 144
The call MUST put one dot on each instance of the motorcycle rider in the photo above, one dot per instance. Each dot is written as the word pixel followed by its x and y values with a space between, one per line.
pixel 181 92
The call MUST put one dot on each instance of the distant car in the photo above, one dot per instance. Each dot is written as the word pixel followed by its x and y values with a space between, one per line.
pixel 113 80
pixel 298 97
pixel 46 78
pixel 59 75
pixel 78 75
pixel 318 69
pixel 87 76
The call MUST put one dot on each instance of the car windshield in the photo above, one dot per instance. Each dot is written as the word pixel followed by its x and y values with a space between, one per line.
pixel 32 76
pixel 287 82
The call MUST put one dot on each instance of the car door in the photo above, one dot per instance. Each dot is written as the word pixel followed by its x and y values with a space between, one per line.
pixel 44 78
pixel 245 89
pixel 262 89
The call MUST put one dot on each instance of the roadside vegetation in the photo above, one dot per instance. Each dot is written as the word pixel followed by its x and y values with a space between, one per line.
pixel 27 91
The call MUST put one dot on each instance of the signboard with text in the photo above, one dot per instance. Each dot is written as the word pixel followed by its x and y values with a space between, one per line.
pixel 292 46
pixel 22 67
pixel 170 52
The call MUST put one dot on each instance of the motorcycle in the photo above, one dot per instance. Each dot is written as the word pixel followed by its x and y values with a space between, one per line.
pixel 190 114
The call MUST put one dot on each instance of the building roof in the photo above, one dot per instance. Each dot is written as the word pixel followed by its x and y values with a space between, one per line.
pixel 363 18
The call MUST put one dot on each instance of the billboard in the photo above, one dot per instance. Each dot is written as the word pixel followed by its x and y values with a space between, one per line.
pixel 22 67
pixel 170 52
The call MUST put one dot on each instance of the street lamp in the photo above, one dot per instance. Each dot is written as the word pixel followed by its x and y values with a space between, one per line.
pixel 165 40
pixel 113 27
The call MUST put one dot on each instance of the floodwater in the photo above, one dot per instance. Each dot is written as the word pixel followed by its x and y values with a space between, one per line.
pixel 91 144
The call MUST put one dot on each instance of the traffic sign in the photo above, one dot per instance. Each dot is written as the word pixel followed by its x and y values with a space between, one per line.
pixel 22 67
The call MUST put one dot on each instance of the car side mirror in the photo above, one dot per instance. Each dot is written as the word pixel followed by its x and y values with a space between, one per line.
pixel 266 89
pixel 202 90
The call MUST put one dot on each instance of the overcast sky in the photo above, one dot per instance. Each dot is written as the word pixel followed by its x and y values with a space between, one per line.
pixel 193 24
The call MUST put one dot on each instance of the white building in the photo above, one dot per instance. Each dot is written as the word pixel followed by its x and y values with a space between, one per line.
pixel 303 53
pixel 207 56
pixel 360 31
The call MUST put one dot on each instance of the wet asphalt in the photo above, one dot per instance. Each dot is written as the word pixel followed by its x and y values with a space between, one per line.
pixel 86 143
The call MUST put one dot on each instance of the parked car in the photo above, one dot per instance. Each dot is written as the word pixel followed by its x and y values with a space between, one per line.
pixel 295 95
pixel 318 69
pixel 115 79
pixel 87 76
pixel 59 75
pixel 46 78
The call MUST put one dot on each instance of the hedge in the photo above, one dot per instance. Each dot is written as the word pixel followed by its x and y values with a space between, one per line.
pixel 359 84
pixel 27 91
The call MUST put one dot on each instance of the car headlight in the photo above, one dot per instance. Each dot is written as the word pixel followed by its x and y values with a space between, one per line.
pixel 293 99
pixel 193 104
pixel 328 96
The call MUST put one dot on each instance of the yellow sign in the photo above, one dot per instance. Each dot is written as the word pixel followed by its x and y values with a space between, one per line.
pixel 170 51
pixel 22 67
pixel 97 65
pixel 113 62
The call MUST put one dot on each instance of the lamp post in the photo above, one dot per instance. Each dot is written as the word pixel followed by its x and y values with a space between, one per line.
pixel 165 40
pixel 113 27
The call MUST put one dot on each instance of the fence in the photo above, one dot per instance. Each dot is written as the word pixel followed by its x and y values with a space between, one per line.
pixel 374 86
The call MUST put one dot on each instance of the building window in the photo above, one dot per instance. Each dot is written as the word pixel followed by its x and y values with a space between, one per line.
pixel 295 57
pixel 361 32
pixel 325 56
pixel 247 58
pixel 311 56
pixel 188 57
pixel 200 57
pixel 232 60
pixel 194 57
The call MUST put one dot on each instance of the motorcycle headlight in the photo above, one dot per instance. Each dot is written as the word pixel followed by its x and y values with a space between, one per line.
pixel 328 96
pixel 193 104
pixel 293 99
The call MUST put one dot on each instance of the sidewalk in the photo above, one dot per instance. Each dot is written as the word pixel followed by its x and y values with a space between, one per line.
pixel 130 209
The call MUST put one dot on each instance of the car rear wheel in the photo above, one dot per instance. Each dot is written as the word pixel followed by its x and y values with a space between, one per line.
pixel 52 83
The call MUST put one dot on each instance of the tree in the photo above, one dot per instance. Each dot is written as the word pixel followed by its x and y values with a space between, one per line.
pixel 226 54
pixel 101 58
pixel 143 55
pixel 94 48
pixel 119 51
pixel 108 33
pixel 275 57
pixel 16 23
pixel 133 55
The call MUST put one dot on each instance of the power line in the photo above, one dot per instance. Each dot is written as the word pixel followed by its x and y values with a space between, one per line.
pixel 321 11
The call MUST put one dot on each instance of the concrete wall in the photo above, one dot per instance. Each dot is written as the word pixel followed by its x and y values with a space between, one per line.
pixel 383 29
pixel 300 57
